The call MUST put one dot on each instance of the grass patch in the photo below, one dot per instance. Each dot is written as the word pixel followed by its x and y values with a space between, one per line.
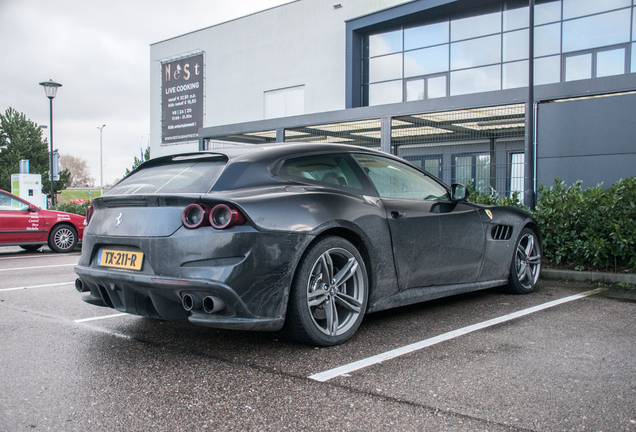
pixel 66 195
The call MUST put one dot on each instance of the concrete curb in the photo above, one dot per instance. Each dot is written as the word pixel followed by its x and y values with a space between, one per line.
pixel 588 276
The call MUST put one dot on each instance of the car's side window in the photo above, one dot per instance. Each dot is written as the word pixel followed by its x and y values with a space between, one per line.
pixel 8 203
pixel 333 170
pixel 393 179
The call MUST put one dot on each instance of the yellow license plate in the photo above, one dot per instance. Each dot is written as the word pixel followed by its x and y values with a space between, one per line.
pixel 120 259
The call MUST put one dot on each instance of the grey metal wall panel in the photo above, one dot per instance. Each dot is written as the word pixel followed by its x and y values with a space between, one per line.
pixel 592 170
pixel 588 127
pixel 593 140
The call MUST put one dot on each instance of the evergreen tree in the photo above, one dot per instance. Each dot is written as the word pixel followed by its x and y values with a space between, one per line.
pixel 21 138
pixel 138 161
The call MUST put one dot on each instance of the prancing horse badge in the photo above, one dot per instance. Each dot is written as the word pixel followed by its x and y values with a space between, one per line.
pixel 118 220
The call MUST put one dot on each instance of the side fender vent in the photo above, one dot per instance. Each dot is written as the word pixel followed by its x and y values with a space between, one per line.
pixel 501 232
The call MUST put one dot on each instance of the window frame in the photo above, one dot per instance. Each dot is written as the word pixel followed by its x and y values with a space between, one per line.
pixel 423 158
pixel 425 78
pixel 594 52
pixel 509 176
pixel 450 18
pixel 473 166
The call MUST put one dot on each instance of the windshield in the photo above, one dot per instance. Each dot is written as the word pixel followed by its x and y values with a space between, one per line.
pixel 172 177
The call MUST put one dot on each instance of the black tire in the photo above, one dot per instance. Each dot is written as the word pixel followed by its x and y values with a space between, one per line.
pixel 62 238
pixel 526 263
pixel 326 313
pixel 31 248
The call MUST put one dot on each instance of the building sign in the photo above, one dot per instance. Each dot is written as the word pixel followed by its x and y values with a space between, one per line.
pixel 182 99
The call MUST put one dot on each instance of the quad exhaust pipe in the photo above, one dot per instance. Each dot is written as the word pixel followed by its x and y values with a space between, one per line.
pixel 209 304
pixel 191 302
pixel 80 286
pixel 213 304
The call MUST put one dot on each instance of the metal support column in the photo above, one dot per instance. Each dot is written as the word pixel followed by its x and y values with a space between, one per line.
pixel 385 134
pixel 528 196
pixel 280 135
pixel 493 165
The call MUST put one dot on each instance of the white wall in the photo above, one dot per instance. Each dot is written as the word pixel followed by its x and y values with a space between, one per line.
pixel 299 43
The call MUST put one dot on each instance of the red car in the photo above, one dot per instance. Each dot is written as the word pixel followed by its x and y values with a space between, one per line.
pixel 30 227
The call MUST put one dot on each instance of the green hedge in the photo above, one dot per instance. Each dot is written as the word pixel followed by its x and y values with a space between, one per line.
pixel 79 209
pixel 482 198
pixel 589 227
pixel 584 228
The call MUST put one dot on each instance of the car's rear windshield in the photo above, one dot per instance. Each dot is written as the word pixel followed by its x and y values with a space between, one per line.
pixel 188 176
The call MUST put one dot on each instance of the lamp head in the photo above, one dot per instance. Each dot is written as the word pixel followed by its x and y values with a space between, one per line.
pixel 50 88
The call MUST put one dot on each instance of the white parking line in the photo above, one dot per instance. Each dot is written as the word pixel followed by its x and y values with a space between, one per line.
pixel 36 286
pixel 38 267
pixel 108 332
pixel 66 320
pixel 379 358
pixel 101 317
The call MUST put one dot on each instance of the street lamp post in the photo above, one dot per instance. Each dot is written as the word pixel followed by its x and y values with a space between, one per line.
pixel 101 175
pixel 50 89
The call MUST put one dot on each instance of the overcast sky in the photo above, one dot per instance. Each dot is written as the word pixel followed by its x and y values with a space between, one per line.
pixel 100 52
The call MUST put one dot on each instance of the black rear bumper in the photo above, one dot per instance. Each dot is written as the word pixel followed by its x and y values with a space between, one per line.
pixel 161 297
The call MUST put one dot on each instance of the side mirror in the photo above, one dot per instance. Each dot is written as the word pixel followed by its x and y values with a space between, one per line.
pixel 459 192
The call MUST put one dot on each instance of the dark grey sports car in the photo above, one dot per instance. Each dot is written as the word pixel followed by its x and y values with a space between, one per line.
pixel 306 238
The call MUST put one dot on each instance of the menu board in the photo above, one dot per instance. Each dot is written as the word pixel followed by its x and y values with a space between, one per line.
pixel 182 99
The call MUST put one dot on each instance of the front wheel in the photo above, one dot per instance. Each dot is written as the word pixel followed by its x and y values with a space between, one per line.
pixel 526 263
pixel 329 294
pixel 62 238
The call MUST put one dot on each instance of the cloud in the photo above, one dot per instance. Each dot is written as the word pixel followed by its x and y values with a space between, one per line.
pixel 99 52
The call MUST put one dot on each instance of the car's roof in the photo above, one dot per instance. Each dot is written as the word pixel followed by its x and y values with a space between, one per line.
pixel 263 153
pixel 283 149
pixel 248 165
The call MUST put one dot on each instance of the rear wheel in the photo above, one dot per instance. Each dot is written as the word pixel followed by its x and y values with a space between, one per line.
pixel 329 294
pixel 31 248
pixel 526 263
pixel 62 238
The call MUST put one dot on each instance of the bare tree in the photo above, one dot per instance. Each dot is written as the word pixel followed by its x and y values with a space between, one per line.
pixel 80 175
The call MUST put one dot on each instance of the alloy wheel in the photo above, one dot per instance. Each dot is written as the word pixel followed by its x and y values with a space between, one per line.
pixel 335 292
pixel 528 260
pixel 63 238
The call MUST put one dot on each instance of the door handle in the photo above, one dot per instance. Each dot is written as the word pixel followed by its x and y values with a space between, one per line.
pixel 398 215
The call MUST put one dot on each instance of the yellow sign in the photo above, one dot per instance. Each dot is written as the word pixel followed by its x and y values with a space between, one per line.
pixel 120 259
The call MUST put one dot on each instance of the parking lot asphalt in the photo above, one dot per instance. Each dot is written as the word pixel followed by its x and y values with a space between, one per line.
pixel 69 366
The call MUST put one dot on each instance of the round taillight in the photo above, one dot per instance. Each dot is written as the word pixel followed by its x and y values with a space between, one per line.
pixel 195 216
pixel 225 216
pixel 90 210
